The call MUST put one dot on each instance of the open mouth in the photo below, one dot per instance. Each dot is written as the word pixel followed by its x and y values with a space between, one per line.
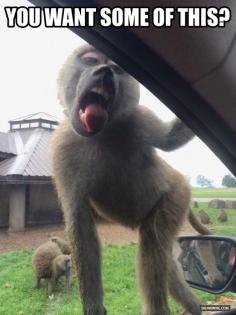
pixel 94 109
pixel 94 96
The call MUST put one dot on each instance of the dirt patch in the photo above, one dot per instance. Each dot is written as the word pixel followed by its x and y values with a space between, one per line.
pixel 34 236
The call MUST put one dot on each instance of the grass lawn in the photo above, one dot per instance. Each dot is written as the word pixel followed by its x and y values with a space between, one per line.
pixel 213 192
pixel 226 228
pixel 17 297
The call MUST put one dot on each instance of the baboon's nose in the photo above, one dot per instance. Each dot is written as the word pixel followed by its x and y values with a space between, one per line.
pixel 105 71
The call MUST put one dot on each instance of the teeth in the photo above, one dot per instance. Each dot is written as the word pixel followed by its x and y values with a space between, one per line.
pixel 80 112
pixel 100 91
pixel 97 89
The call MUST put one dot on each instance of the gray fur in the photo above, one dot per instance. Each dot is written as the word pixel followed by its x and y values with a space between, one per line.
pixel 222 216
pixel 204 217
pixel 116 172
pixel 50 261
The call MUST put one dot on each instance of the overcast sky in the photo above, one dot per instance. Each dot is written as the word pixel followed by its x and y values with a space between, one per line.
pixel 29 64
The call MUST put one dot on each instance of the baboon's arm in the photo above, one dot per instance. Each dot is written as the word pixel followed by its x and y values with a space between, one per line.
pixel 86 250
pixel 165 136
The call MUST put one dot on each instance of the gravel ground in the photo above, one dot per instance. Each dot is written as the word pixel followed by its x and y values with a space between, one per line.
pixel 32 237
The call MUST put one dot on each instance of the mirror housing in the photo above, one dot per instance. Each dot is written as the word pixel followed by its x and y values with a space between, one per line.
pixel 208 262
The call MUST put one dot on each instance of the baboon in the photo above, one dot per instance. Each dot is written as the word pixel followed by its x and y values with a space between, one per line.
pixel 61 265
pixel 204 217
pixel 104 160
pixel 195 204
pixel 43 261
pixel 203 254
pixel 63 245
pixel 222 216
pixel 208 254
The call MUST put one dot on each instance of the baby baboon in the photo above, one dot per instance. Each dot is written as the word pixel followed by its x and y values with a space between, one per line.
pixel 61 265
pixel 43 262
pixel 204 217
pixel 222 216
pixel 63 245
pixel 104 160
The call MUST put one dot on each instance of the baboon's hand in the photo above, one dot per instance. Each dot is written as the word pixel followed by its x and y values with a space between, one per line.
pixel 179 134
pixel 176 135
pixel 163 135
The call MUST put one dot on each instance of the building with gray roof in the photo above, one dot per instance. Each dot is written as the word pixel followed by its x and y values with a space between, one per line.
pixel 27 195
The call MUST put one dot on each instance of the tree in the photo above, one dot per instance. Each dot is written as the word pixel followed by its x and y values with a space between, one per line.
pixel 203 181
pixel 229 181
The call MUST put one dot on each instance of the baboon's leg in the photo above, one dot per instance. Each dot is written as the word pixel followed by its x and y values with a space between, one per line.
pixel 86 250
pixel 180 290
pixel 157 233
pixel 153 254
pixel 51 282
pixel 67 281
pixel 37 283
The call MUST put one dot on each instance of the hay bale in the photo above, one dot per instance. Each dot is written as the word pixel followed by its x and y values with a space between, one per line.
pixel 217 204
pixel 230 204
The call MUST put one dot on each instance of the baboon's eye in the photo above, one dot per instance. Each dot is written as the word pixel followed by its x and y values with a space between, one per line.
pixel 90 59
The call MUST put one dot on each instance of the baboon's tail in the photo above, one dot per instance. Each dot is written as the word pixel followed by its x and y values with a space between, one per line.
pixel 198 226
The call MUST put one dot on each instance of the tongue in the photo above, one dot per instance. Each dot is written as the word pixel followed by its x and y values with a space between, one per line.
pixel 94 117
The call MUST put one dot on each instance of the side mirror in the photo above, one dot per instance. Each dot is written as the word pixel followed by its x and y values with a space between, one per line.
pixel 208 262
